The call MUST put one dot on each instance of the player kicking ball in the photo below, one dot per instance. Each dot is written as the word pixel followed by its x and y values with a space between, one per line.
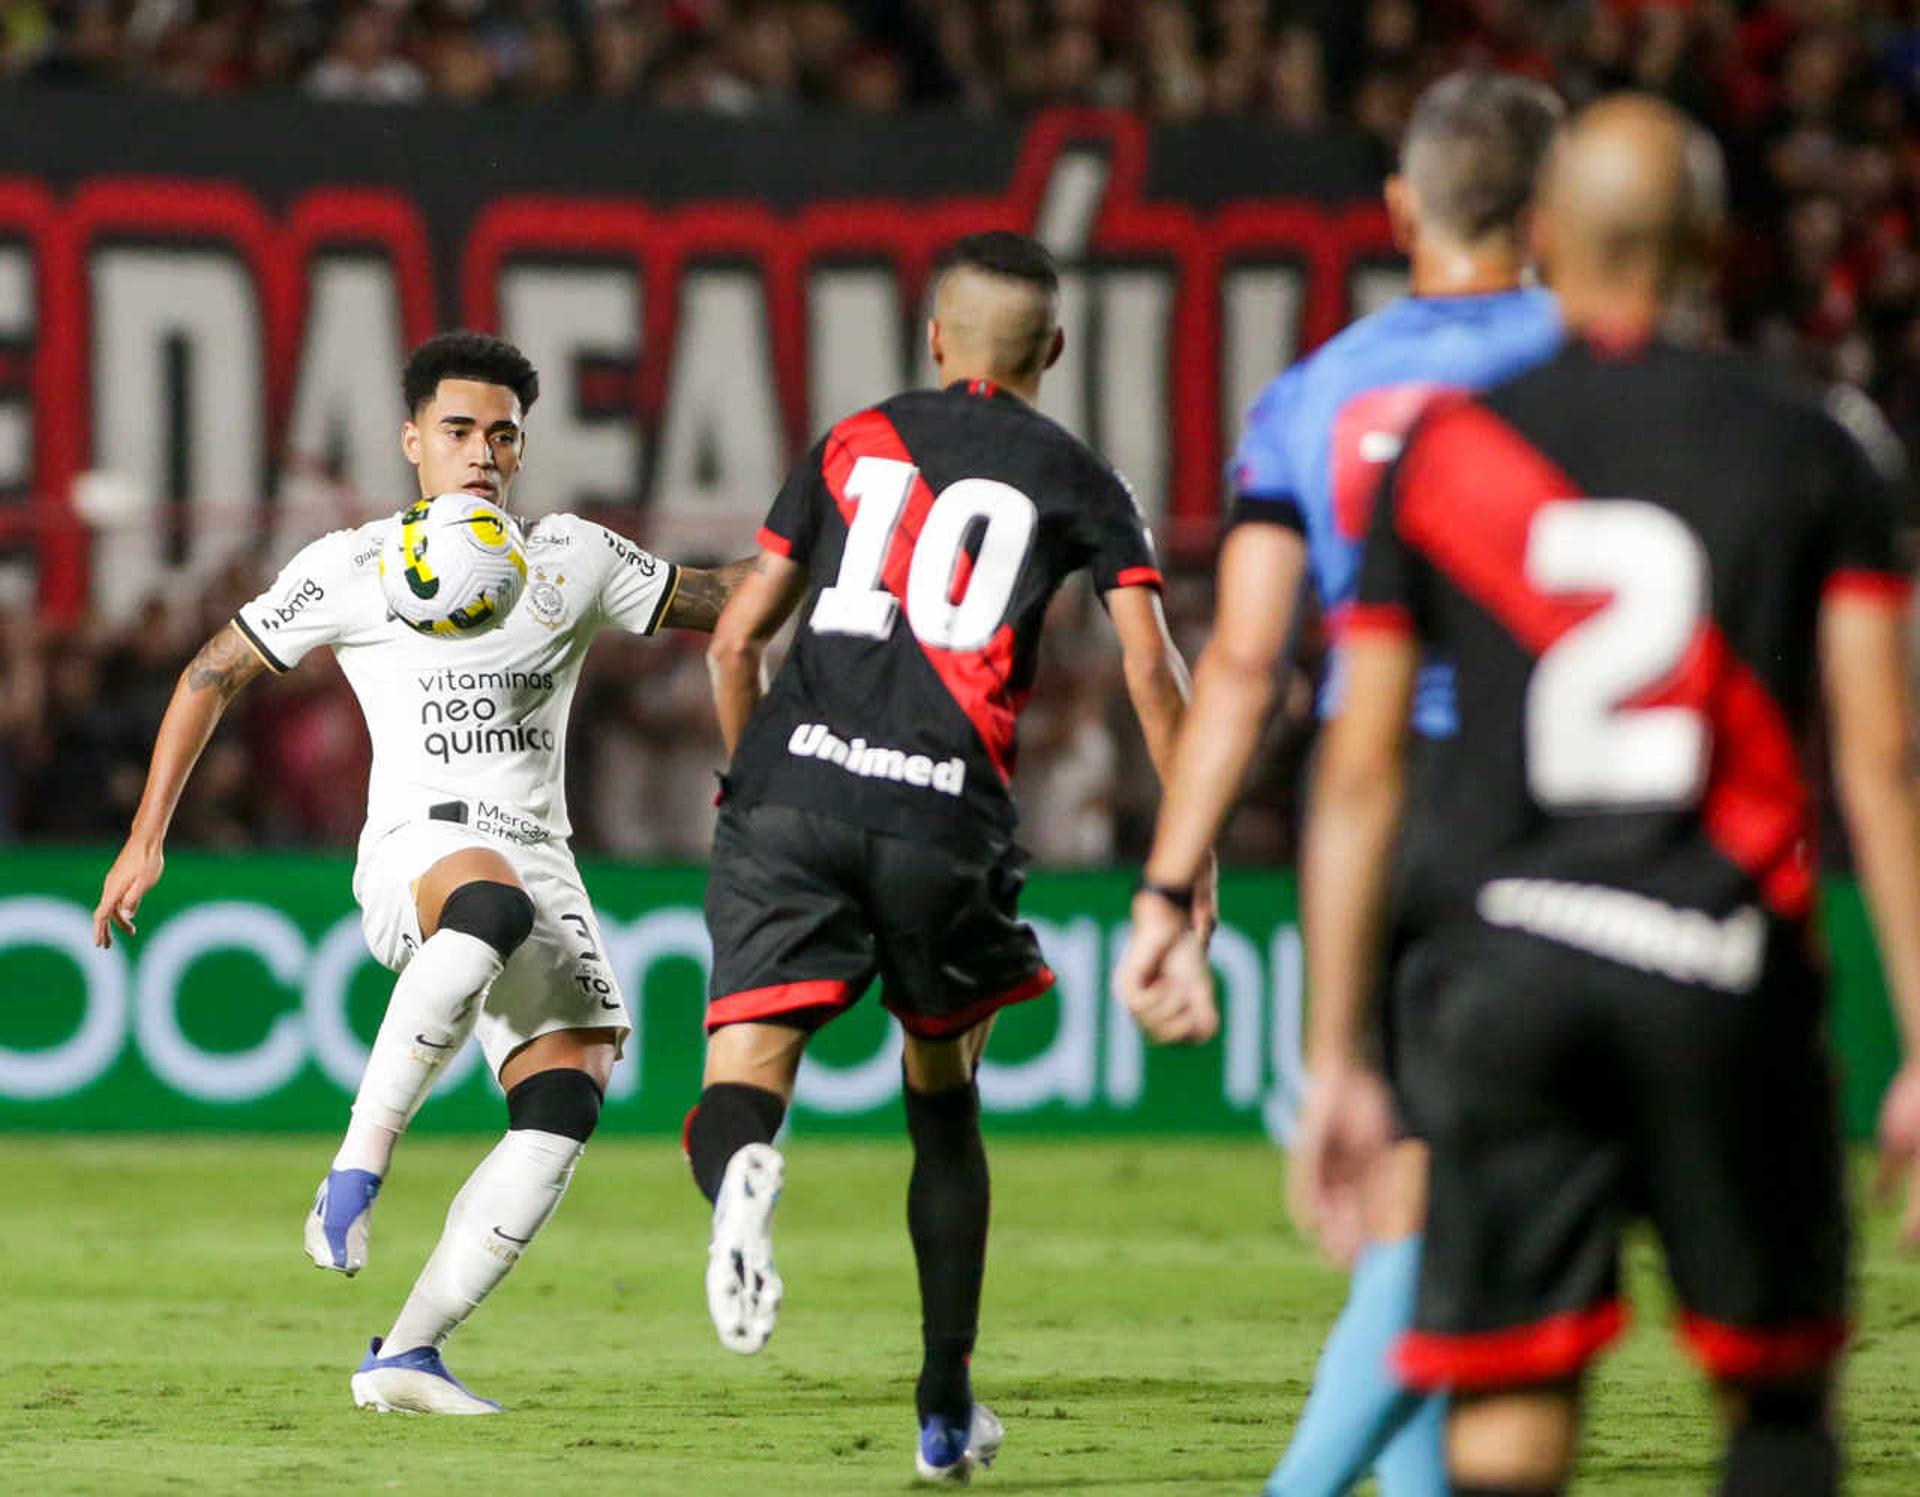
pixel 867 827
pixel 466 885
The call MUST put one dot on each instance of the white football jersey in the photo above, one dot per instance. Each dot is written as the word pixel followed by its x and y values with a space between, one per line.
pixel 481 721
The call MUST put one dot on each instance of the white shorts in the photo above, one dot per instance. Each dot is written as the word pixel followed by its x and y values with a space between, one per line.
pixel 558 979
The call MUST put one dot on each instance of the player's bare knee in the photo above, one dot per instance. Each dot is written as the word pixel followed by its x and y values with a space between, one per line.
pixel 766 1056
pixel 940 1065
pixel 563 1101
pixel 499 914
pixel 1518 1441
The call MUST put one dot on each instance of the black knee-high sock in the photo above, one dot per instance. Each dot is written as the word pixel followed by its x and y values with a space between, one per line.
pixel 947 1207
pixel 728 1118
pixel 1783 1446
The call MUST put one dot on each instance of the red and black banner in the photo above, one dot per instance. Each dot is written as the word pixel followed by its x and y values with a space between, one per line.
pixel 203 306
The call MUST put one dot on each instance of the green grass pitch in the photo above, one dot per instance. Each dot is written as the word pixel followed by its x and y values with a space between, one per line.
pixel 1150 1327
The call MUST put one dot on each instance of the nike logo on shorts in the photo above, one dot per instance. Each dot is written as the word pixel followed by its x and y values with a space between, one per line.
pixel 421 1039
pixel 503 1232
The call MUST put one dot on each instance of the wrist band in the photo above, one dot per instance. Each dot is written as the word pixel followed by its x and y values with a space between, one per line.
pixel 1180 898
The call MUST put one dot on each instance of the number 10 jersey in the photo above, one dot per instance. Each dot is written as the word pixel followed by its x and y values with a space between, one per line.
pixel 935 528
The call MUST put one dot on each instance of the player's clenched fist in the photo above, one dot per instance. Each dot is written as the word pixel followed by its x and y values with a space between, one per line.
pixel 1163 976
pixel 135 871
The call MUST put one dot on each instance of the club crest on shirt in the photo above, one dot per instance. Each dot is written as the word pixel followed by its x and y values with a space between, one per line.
pixel 545 600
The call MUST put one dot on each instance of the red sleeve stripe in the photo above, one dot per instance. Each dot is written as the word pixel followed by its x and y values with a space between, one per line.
pixel 1761 1352
pixel 1545 1351
pixel 1375 618
pixel 1866 586
pixel 1140 577
pixel 772 540
pixel 781 999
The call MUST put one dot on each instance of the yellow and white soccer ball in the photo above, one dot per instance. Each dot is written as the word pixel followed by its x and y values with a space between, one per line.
pixel 453 566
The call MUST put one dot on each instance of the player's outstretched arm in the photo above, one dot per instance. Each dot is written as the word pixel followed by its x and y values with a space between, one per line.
pixel 1863 663
pixel 1260 578
pixel 700 594
pixel 213 678
pixel 758 606
pixel 1353 818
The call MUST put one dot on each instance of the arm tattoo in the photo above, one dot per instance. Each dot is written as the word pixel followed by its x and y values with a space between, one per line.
pixel 702 593
pixel 225 662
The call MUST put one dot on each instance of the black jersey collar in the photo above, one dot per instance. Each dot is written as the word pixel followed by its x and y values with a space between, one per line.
pixel 985 387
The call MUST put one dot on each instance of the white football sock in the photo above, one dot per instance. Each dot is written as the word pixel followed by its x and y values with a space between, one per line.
pixel 367 1146
pixel 429 1017
pixel 504 1203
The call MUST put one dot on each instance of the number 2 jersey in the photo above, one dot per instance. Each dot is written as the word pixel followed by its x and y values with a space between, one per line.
pixel 935 527
pixel 1320 436
pixel 481 720
pixel 1625 553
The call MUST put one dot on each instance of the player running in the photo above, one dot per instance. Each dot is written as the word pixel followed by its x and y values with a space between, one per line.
pixel 1316 442
pixel 867 826
pixel 466 885
pixel 1636 556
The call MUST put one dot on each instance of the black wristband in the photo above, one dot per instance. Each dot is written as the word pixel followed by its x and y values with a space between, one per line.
pixel 1180 898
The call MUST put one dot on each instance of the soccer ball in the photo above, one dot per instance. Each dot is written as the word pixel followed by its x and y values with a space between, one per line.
pixel 453 566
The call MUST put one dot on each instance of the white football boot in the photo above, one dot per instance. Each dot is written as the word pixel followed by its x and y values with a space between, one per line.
pixel 743 1290
pixel 950 1454
pixel 414 1382
pixel 336 1233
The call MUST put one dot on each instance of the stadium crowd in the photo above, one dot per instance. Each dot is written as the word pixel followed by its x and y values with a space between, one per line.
pixel 1817 102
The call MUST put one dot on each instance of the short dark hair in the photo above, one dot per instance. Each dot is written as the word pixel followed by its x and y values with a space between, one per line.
pixel 467 355
pixel 1473 149
pixel 1002 252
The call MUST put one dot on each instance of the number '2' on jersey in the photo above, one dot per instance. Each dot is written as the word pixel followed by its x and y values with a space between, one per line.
pixel 1625 553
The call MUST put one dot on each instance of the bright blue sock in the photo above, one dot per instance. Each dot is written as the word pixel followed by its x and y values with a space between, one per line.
pixel 1414 1462
pixel 1357 1405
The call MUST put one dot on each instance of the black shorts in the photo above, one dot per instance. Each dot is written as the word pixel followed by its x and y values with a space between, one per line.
pixel 1415 959
pixel 1575 1095
pixel 1412 974
pixel 805 910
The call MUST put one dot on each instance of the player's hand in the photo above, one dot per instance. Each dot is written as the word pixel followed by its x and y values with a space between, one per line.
pixel 1163 976
pixel 1345 1129
pixel 1900 1148
pixel 135 871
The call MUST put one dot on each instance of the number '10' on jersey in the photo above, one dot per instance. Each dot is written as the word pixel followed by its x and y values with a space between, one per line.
pixel 935 528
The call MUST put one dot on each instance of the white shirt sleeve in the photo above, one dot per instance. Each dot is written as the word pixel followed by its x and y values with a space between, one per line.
pixel 635 585
pixel 306 607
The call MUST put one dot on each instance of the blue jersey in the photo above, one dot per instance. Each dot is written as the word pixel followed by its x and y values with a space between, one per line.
pixel 1320 436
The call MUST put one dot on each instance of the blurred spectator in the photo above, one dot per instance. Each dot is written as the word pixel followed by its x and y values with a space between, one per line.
pixel 22 695
pixel 364 65
pixel 1066 781
pixel 645 774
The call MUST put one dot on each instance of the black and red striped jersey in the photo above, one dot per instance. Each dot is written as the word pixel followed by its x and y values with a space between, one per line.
pixel 935 527
pixel 1625 552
